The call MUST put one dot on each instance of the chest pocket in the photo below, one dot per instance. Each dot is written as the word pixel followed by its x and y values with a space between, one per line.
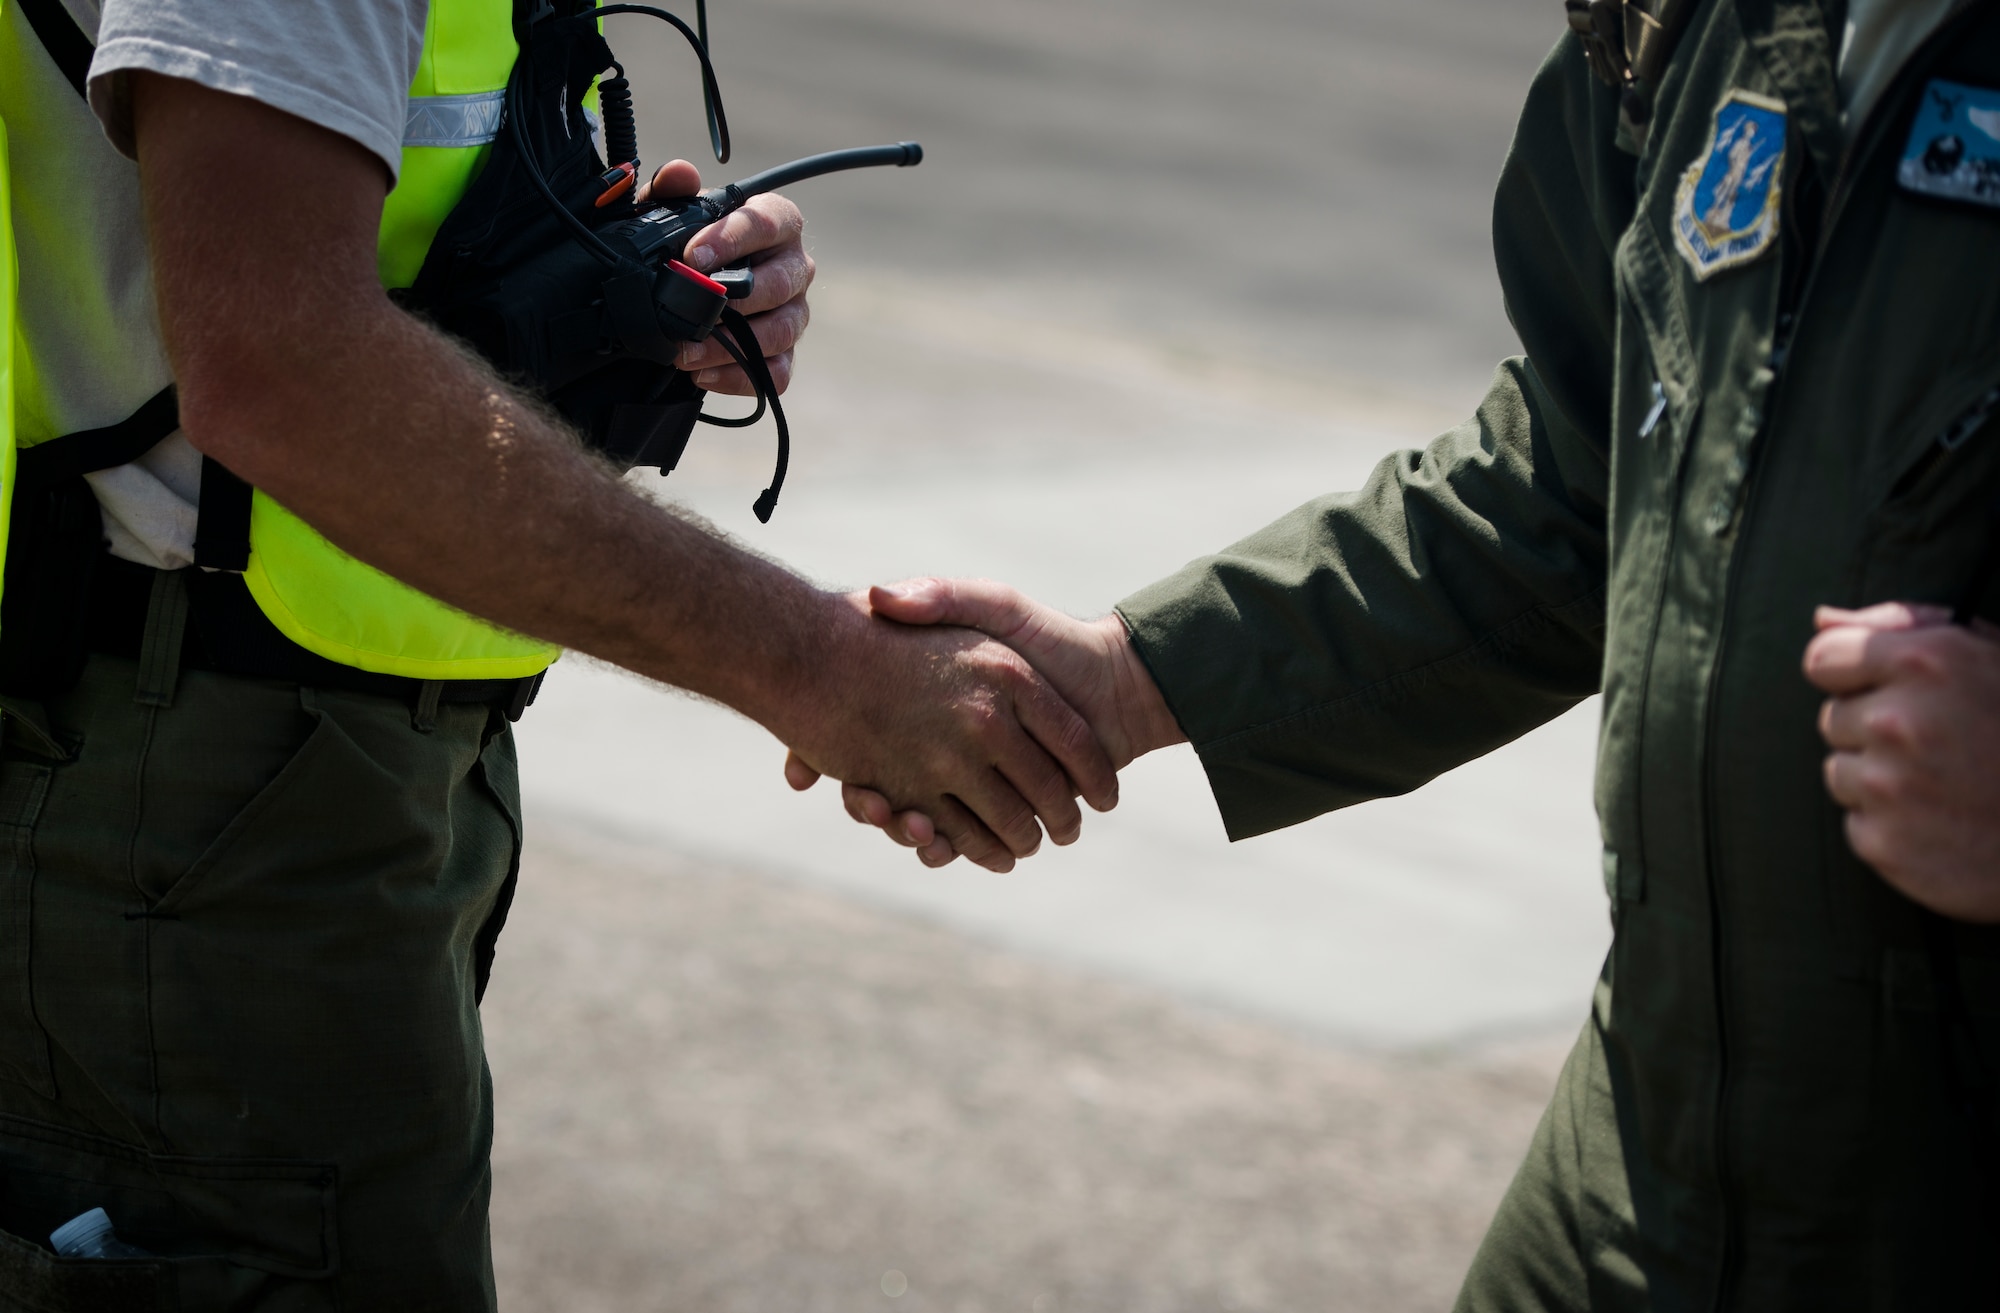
pixel 1931 481
pixel 1693 373
pixel 1932 535
pixel 1917 383
pixel 1701 272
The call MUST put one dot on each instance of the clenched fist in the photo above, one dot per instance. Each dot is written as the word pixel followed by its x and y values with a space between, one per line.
pixel 1914 727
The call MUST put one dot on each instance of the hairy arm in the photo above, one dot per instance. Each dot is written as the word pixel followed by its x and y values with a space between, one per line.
pixel 298 374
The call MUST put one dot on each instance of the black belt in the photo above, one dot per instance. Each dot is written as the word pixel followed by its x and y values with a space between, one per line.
pixel 228 633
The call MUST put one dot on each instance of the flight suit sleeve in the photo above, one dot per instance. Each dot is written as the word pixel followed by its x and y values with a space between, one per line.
pixel 1369 641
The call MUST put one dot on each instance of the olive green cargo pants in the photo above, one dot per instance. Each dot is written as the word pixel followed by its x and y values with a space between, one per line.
pixel 243 927
pixel 1555 1242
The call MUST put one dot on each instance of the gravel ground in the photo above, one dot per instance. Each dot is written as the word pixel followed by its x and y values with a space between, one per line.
pixel 721 1092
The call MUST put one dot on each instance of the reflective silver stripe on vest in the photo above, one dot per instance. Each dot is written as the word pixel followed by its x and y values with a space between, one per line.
pixel 472 120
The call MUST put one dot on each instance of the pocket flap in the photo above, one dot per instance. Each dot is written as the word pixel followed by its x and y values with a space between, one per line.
pixel 274 1215
pixel 36 1281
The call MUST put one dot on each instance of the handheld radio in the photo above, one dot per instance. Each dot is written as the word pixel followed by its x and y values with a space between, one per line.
pixel 550 271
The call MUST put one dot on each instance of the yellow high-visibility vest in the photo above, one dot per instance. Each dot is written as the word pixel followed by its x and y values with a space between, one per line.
pixel 315 594
pixel 9 329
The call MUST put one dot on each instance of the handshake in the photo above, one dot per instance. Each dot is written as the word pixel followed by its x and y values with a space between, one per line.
pixel 967 718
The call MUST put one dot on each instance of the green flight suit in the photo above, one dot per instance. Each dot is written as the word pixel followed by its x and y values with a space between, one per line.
pixel 1759 1114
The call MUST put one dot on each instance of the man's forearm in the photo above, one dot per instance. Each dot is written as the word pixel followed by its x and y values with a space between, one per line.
pixel 415 458
pixel 297 373
pixel 411 454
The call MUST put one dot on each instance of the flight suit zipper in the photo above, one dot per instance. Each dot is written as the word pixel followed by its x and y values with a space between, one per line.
pixel 1863 143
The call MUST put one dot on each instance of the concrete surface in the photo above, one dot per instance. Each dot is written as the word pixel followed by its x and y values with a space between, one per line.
pixel 1307 182
pixel 733 1095
pixel 1170 268
pixel 925 442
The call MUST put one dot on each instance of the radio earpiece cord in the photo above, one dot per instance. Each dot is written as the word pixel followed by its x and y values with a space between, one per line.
pixel 590 304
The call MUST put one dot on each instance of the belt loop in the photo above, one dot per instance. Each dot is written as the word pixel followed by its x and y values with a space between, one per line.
pixel 424 716
pixel 160 648
pixel 524 696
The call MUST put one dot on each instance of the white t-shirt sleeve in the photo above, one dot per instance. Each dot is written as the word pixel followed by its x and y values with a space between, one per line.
pixel 345 65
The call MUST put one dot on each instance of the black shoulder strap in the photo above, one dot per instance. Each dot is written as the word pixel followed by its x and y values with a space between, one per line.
pixel 222 528
pixel 87 452
pixel 62 38
pixel 222 521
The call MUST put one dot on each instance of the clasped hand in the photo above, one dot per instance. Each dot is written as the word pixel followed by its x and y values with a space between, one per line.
pixel 980 751
pixel 1074 677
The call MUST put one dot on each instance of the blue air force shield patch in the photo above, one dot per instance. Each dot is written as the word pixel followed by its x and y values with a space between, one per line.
pixel 1954 147
pixel 1726 211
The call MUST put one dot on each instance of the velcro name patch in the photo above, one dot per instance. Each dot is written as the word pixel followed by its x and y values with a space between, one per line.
pixel 1954 148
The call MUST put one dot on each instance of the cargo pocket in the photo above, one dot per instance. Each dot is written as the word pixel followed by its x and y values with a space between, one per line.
pixel 165 897
pixel 230 1233
pixel 32 1280
pixel 1927 538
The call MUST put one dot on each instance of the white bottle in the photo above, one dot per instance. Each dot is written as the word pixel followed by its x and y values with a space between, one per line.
pixel 89 1235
